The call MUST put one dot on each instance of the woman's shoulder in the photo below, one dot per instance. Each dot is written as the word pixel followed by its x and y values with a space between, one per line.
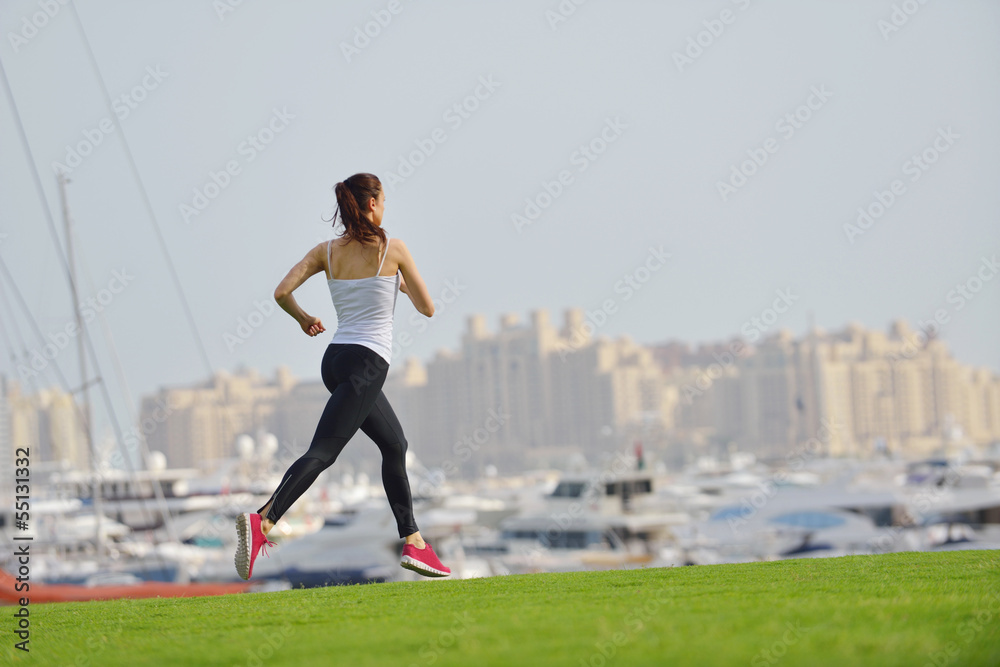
pixel 397 243
pixel 320 249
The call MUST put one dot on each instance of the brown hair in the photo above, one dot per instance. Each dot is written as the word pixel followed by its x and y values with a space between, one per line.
pixel 352 193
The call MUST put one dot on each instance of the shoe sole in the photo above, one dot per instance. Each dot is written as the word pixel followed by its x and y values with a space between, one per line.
pixel 411 563
pixel 243 545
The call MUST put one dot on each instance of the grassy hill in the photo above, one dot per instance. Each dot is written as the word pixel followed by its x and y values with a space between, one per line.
pixel 893 609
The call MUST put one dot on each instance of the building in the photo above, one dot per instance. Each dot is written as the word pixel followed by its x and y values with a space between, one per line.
pixel 49 424
pixel 198 425
pixel 860 392
pixel 529 395
pixel 537 395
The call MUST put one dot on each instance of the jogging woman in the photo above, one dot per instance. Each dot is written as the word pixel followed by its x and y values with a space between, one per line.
pixel 364 269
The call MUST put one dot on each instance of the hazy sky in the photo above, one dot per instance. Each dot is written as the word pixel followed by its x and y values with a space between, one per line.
pixel 615 122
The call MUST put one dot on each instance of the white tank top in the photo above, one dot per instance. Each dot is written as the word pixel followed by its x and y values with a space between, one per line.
pixel 364 308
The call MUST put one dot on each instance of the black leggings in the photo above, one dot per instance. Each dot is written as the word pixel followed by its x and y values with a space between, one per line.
pixel 354 374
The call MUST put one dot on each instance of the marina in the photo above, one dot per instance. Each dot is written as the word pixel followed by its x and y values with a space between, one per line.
pixel 342 532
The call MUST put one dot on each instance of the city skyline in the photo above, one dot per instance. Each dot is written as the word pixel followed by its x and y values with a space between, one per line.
pixel 757 324
pixel 542 393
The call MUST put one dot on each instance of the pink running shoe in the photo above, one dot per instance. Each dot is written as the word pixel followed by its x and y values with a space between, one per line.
pixel 249 540
pixel 423 561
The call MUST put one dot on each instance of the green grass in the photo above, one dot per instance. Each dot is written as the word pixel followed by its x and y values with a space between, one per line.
pixel 893 609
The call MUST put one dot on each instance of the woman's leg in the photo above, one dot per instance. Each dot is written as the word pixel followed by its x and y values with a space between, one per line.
pixel 355 381
pixel 382 426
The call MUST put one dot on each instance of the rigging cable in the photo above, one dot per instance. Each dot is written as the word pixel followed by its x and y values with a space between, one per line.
pixel 146 514
pixel 228 417
pixel 142 192
pixel 72 282
pixel 14 353
pixel 98 477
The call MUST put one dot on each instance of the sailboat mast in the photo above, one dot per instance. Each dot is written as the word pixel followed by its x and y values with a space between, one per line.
pixel 81 355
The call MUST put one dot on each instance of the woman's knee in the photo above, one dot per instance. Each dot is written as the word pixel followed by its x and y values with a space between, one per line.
pixel 395 452
pixel 396 446
pixel 322 454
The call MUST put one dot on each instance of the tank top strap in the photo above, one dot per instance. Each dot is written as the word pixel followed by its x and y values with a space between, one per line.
pixel 329 266
pixel 383 256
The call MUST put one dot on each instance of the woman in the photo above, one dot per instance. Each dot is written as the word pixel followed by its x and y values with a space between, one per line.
pixel 364 268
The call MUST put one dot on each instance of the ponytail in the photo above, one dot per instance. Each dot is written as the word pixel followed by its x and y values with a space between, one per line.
pixel 351 193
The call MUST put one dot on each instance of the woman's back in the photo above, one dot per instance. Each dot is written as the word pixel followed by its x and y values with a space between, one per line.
pixel 364 270
pixel 363 295
pixel 348 259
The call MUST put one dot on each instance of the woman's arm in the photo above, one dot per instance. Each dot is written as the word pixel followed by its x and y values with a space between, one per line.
pixel 412 284
pixel 310 265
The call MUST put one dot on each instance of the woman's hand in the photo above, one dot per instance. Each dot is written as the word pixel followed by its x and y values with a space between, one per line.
pixel 311 325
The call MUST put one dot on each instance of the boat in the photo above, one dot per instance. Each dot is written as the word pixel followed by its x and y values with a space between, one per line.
pixel 104 533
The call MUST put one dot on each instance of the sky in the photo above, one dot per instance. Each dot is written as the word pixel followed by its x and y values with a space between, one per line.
pixel 672 168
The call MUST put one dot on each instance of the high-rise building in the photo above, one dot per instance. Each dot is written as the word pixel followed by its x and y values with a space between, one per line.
pixel 859 392
pixel 49 424
pixel 529 394
pixel 196 425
